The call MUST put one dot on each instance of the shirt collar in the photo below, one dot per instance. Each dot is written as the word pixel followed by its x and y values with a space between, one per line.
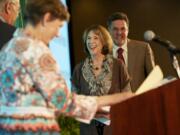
pixel 2 19
pixel 124 47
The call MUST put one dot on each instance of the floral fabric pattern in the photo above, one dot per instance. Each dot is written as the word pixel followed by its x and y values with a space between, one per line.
pixel 7 78
pixel 30 79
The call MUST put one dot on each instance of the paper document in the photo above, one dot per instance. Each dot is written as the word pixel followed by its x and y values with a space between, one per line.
pixel 154 80
pixel 104 120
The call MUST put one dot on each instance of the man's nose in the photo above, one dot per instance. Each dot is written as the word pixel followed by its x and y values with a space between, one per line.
pixel 119 32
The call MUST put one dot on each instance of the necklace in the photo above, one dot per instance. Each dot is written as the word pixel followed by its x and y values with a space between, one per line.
pixel 95 67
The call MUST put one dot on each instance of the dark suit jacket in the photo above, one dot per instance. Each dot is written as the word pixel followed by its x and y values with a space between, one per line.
pixel 6 33
pixel 140 62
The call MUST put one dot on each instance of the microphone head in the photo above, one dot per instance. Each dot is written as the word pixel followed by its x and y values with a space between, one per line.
pixel 149 35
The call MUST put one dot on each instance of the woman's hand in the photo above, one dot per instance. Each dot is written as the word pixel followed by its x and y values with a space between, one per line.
pixel 103 112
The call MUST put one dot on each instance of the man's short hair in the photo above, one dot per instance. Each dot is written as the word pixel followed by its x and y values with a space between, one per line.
pixel 117 16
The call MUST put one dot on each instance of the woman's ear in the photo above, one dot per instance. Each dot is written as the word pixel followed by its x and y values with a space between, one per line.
pixel 46 18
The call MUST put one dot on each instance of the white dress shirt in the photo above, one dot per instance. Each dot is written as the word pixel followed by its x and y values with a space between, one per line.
pixel 125 52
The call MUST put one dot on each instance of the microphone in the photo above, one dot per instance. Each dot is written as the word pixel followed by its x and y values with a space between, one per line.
pixel 151 36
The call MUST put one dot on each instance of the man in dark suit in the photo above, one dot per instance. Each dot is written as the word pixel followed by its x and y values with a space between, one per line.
pixel 137 55
pixel 9 10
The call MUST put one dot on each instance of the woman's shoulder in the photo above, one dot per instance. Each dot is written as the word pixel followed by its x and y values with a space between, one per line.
pixel 79 66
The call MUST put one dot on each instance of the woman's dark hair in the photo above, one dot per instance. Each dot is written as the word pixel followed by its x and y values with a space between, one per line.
pixel 36 9
pixel 104 36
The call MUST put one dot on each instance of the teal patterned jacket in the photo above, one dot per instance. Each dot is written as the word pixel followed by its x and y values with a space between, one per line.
pixel 32 92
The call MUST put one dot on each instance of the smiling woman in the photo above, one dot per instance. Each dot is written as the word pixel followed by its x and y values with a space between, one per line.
pixel 96 74
pixel 33 80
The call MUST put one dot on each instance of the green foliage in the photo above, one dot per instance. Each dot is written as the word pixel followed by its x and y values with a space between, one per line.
pixel 69 126
pixel 20 22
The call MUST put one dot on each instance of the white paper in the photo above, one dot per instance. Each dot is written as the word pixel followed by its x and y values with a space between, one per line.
pixel 152 81
pixel 104 120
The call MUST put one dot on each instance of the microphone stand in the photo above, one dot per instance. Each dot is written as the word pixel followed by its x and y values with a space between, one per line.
pixel 172 50
pixel 174 59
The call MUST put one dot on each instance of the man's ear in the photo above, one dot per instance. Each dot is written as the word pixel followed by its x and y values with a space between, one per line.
pixel 8 7
pixel 46 18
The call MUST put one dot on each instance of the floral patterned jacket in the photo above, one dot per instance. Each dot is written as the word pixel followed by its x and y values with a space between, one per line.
pixel 31 87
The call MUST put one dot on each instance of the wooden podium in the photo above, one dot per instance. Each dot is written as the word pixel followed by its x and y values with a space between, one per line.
pixel 156 112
